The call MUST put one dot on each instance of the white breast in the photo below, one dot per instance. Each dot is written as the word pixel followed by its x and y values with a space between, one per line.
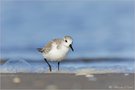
pixel 56 54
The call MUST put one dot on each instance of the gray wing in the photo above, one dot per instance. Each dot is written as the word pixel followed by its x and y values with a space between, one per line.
pixel 47 48
pixel 58 42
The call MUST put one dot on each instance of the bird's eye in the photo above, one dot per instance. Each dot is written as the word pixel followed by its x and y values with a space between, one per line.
pixel 65 40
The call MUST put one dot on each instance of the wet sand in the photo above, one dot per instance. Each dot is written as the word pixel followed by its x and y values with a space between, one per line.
pixel 70 81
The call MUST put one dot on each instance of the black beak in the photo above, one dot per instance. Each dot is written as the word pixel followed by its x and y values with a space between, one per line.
pixel 71 47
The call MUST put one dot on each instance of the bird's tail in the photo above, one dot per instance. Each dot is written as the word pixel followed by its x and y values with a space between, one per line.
pixel 40 50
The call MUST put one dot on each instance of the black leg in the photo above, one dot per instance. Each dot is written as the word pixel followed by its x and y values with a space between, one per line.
pixel 58 65
pixel 48 65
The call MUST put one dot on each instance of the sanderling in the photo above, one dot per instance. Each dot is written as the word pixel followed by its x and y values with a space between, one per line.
pixel 56 50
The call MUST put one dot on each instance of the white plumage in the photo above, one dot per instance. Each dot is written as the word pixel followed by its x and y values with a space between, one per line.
pixel 56 50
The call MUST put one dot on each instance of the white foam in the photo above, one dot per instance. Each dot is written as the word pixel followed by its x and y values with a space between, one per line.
pixel 16 65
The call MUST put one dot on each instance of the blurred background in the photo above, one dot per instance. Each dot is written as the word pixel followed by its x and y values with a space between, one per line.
pixel 100 28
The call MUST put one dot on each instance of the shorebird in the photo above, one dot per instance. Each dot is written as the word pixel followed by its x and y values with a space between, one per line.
pixel 56 50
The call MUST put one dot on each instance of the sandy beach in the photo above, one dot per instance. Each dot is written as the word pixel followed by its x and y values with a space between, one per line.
pixel 55 81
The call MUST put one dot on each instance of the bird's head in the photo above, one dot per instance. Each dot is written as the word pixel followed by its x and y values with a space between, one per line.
pixel 68 42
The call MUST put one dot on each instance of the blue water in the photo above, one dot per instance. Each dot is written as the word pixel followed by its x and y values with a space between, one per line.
pixel 70 66
pixel 99 28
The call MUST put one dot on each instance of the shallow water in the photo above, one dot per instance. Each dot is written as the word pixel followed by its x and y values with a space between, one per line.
pixel 115 65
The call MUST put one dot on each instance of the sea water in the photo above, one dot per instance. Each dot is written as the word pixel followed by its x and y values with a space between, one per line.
pixel 70 66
